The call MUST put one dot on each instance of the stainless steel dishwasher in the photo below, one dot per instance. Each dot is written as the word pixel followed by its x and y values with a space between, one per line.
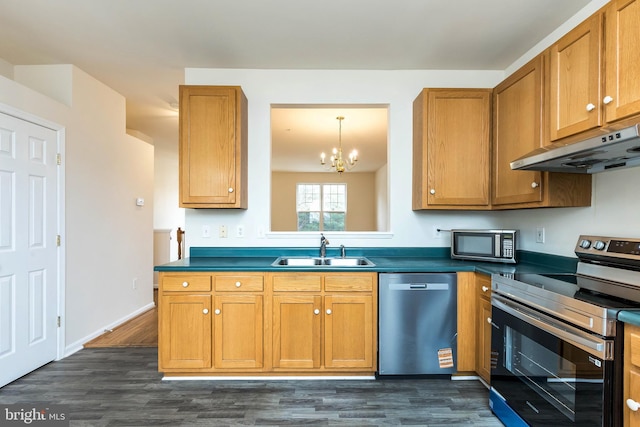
pixel 417 324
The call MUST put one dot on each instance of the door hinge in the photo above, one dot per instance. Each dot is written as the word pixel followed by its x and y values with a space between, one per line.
pixel 59 159
pixel 58 240
pixel 59 321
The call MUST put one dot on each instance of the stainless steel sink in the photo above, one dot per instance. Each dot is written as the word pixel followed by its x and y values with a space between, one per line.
pixel 320 262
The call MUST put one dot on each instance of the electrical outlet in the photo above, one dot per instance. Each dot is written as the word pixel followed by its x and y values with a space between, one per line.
pixel 206 231
pixel 540 235
pixel 134 285
pixel 223 231
pixel 437 233
pixel 240 231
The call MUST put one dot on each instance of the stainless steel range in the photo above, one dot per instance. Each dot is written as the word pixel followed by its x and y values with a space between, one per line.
pixel 556 341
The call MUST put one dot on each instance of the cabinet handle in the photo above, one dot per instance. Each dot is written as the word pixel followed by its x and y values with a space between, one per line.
pixel 633 405
pixel 238 284
pixel 316 311
pixel 205 311
pixel 328 311
pixel 432 191
pixel 217 311
pixel 485 289
pixel 185 284
pixel 534 184
pixel 607 100
pixel 489 320
pixel 590 107
pixel 230 190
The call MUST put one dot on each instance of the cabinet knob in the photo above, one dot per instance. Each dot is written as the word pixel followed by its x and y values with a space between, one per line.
pixel 217 311
pixel 205 311
pixel 607 100
pixel 633 405
pixel 534 184
pixel 489 320
pixel 432 191
pixel 238 284
pixel 590 107
pixel 328 311
pixel 316 311
pixel 230 190
pixel 185 284
pixel 485 288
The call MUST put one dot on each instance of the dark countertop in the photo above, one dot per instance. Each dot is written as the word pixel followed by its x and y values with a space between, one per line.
pixel 386 260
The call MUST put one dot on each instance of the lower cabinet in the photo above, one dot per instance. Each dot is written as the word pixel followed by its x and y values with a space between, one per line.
pixel 483 325
pixel 631 393
pixel 264 323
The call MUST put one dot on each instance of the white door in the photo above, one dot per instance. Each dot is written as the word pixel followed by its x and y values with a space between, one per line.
pixel 28 247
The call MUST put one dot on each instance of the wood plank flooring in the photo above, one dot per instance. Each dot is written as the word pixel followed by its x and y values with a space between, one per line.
pixel 109 387
pixel 141 331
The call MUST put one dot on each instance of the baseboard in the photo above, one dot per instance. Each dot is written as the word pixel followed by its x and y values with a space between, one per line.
pixel 79 344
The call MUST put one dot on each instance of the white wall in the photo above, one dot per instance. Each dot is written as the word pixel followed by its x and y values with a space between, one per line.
pixel 107 240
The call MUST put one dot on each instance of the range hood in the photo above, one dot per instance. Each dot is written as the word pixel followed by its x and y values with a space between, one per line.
pixel 615 150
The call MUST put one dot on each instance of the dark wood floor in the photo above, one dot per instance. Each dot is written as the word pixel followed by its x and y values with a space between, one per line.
pixel 122 387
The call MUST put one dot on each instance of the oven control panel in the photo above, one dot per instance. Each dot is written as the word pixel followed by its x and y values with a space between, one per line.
pixel 613 247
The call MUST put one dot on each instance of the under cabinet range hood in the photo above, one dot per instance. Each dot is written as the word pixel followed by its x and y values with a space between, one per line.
pixel 615 150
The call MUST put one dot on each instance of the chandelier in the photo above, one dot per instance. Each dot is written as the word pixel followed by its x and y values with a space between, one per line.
pixel 338 162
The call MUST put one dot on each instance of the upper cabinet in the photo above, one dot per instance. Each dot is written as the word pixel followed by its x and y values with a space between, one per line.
pixel 213 147
pixel 518 123
pixel 451 141
pixel 595 70
pixel 622 59
pixel 574 80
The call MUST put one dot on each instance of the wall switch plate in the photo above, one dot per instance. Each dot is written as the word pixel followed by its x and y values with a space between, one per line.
pixel 206 231
pixel 240 231
pixel 223 231
pixel 540 235
pixel 139 201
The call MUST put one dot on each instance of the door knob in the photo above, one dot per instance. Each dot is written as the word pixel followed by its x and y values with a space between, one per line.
pixel 432 191
pixel 316 311
pixel 185 284
pixel 230 190
pixel 328 311
pixel 238 284
pixel 607 99
pixel 534 184
pixel 633 405
pixel 205 311
pixel 485 289
pixel 489 320
pixel 590 107
pixel 217 311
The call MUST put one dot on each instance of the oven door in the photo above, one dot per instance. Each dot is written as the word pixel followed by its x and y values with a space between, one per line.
pixel 547 372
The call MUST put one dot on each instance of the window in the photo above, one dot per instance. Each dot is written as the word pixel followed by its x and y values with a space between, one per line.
pixel 321 207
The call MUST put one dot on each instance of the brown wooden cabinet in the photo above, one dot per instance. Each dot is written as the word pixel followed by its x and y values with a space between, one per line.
pixel 213 147
pixel 622 59
pixel 483 326
pixel 518 121
pixel 451 142
pixel 324 322
pixel 631 387
pixel 574 80
pixel 594 72
pixel 184 322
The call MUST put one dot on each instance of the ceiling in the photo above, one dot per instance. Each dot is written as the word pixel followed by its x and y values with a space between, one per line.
pixel 140 48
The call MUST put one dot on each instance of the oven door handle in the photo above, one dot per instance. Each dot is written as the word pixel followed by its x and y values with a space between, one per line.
pixel 587 342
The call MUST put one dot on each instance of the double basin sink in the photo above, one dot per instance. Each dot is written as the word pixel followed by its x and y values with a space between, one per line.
pixel 322 262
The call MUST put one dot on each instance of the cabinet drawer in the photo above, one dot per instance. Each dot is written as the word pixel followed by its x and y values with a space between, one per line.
pixel 186 283
pixel 483 286
pixel 349 283
pixel 297 283
pixel 634 344
pixel 239 283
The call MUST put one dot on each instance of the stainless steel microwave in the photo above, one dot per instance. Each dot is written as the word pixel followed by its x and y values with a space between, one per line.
pixel 484 245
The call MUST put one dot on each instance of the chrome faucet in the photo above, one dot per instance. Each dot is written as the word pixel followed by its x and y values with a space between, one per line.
pixel 343 251
pixel 323 245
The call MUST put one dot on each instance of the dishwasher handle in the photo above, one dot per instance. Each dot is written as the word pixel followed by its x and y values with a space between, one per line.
pixel 419 286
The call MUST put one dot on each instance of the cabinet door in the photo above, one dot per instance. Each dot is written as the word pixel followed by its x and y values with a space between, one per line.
pixel 451 148
pixel 483 357
pixel 296 331
pixel 212 147
pixel 622 62
pixel 348 336
pixel 238 331
pixel 518 120
pixel 575 80
pixel 184 338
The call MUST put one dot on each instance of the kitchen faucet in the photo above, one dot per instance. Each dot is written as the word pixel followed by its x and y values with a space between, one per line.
pixel 323 245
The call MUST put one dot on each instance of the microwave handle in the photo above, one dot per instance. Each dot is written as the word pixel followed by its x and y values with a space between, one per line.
pixel 582 340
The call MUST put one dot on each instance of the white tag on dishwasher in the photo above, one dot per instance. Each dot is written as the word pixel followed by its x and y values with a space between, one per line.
pixel 445 358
